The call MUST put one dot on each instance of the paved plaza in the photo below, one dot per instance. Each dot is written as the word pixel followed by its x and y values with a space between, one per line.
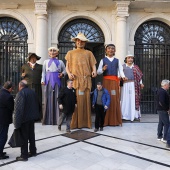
pixel 133 146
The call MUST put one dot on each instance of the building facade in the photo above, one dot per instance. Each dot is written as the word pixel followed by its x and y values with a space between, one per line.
pixel 139 26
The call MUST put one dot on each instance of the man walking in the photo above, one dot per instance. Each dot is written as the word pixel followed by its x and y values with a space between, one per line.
pixel 6 109
pixel 162 110
pixel 26 111
pixel 67 102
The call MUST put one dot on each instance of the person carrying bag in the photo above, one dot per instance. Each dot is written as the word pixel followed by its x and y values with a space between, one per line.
pixel 16 139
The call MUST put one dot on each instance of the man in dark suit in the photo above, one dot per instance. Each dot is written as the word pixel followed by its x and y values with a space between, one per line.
pixel 26 111
pixel 31 72
pixel 6 109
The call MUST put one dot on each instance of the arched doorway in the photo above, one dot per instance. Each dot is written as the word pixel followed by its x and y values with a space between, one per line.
pixel 13 50
pixel 152 54
pixel 91 30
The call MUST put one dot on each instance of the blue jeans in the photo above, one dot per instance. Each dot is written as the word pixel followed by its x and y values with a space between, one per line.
pixel 163 124
pixel 3 137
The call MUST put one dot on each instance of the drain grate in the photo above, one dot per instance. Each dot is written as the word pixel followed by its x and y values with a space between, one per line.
pixel 80 135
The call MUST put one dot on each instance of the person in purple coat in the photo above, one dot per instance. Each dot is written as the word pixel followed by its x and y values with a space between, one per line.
pixel 53 70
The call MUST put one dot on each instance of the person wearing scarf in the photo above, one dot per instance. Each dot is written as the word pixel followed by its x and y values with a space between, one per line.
pixel 53 70
pixel 131 90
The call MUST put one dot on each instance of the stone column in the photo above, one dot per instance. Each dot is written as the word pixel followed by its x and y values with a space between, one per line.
pixel 41 29
pixel 121 32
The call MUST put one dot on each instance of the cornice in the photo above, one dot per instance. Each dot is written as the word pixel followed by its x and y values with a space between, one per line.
pixel 9 6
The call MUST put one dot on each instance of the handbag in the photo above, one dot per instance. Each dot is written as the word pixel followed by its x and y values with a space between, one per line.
pixel 16 139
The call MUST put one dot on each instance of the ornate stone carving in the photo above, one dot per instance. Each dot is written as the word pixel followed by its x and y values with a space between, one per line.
pixel 40 7
pixel 122 8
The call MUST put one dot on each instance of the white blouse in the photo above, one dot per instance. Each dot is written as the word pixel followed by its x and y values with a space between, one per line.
pixel 53 68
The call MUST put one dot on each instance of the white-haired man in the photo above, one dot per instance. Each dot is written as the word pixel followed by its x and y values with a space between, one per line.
pixel 163 110
pixel 53 70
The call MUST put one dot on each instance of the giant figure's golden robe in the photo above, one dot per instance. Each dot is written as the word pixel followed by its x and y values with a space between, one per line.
pixel 80 63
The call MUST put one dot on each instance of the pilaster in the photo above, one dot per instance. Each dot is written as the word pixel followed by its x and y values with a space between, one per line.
pixel 122 12
pixel 41 29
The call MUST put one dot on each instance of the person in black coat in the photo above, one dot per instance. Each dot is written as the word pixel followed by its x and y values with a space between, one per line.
pixel 26 111
pixel 163 110
pixel 6 109
pixel 31 72
pixel 67 102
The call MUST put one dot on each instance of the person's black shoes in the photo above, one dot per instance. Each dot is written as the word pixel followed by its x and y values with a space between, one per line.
pixel 95 130
pixel 31 154
pixel 4 157
pixel 21 159
pixel 68 131
pixel 59 128
pixel 168 145
pixel 101 129
pixel 4 153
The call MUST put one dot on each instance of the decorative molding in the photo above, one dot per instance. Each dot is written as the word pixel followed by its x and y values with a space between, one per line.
pixel 153 10
pixel 8 6
pixel 122 9
pixel 121 18
pixel 40 7
pixel 81 7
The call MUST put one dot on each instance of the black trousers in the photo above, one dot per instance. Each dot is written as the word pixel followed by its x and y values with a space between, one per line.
pixel 27 131
pixel 163 124
pixel 3 137
pixel 100 116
